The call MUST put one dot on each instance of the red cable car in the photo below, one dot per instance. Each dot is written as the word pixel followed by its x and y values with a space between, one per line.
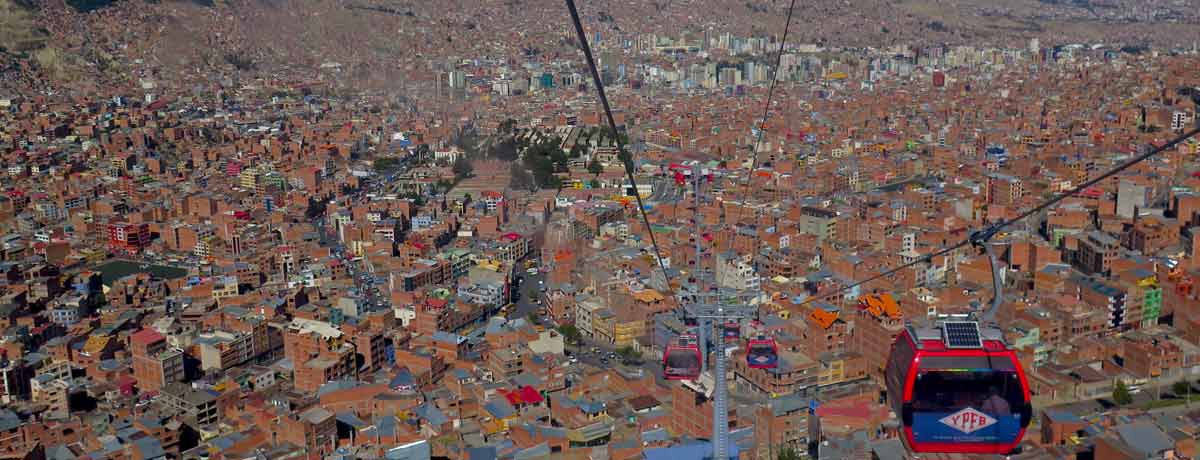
pixel 732 331
pixel 762 353
pixel 680 179
pixel 958 389
pixel 681 360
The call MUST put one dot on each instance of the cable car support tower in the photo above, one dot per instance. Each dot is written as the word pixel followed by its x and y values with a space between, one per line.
pixel 704 300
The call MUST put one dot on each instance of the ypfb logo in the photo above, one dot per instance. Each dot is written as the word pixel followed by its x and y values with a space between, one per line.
pixel 968 420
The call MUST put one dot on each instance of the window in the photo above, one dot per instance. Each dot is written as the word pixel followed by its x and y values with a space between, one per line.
pixel 995 392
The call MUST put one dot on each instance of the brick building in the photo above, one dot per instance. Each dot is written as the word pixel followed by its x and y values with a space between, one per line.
pixel 155 364
pixel 128 237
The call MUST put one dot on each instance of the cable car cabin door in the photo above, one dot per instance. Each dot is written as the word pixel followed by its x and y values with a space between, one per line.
pixel 967 402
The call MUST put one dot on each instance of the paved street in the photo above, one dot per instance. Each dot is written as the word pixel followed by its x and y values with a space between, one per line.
pixel 648 366
pixel 1140 398
pixel 525 303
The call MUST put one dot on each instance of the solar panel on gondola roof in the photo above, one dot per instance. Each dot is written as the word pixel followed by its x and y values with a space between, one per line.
pixel 961 334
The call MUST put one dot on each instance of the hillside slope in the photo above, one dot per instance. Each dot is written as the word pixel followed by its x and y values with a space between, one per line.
pixel 405 42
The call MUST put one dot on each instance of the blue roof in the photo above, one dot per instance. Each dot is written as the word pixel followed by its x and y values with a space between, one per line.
pixel 349 418
pixel 536 431
pixel 336 385
pixel 446 337
pixel 110 444
pixel 150 448
pixel 226 442
pixel 386 425
pixel 418 450
pixel 701 450
pixel 8 420
pixel 539 451
pixel 500 408
pixel 591 407
pixel 60 452
pixel 481 453
pixel 527 379
pixel 658 435
pixel 1060 416
pixel 432 414
pixel 128 433
pixel 404 378
pixel 1144 437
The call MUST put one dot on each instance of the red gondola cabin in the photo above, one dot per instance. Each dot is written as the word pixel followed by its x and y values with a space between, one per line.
pixel 762 353
pixel 682 359
pixel 958 389
pixel 731 331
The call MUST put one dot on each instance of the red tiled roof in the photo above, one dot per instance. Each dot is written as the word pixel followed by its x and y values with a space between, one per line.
pixel 530 395
pixel 146 337
pixel 858 412
pixel 513 398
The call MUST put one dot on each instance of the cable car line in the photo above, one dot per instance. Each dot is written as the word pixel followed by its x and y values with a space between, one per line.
pixel 626 157
pixel 762 128
pixel 770 90
pixel 983 236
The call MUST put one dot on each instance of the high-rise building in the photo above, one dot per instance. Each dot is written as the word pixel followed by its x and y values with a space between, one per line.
pixel 781 423
pixel 1130 197
pixel 155 364
pixel 15 376
pixel 319 351
pixel 879 321
pixel 128 237
pixel 736 272
pixel 457 79
pixel 1096 252
pixel 819 222
pixel 1004 189
pixel 692 413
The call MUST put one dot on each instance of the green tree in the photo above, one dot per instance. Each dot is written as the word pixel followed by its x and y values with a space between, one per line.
pixel 627 353
pixel 543 172
pixel 384 164
pixel 594 183
pixel 507 126
pixel 505 149
pixel 1121 395
pixel 99 299
pixel 559 158
pixel 595 167
pixel 1181 388
pixel 417 198
pixel 570 333
pixel 462 168
pixel 423 151
pixel 519 177
pixel 787 453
